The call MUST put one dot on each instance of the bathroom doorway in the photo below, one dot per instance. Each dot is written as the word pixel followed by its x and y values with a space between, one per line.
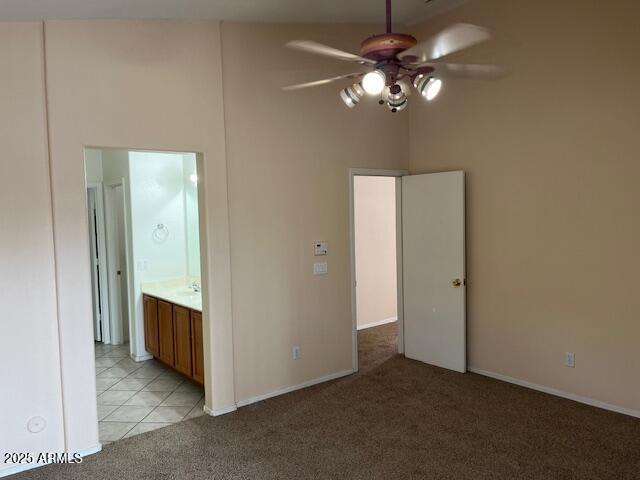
pixel 150 367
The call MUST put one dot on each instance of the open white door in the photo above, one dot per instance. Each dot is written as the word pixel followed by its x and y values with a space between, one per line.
pixel 433 261
pixel 114 205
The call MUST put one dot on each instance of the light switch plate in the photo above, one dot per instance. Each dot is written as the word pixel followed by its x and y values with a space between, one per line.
pixel 320 248
pixel 320 268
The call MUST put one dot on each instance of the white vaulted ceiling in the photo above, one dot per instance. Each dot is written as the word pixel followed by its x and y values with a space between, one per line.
pixel 272 11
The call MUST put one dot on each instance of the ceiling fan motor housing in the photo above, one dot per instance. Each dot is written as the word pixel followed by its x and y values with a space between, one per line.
pixel 386 46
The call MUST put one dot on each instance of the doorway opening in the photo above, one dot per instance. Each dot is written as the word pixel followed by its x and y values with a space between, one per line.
pixel 430 287
pixel 144 233
pixel 375 266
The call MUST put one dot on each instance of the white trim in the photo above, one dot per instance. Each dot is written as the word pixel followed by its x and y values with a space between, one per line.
pixel 377 172
pixel 374 172
pixel 220 411
pixel 85 452
pixel 95 264
pixel 141 358
pixel 282 391
pixel 128 246
pixel 399 267
pixel 557 393
pixel 377 323
pixel 22 467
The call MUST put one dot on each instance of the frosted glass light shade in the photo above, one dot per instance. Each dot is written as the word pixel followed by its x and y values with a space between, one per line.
pixel 374 82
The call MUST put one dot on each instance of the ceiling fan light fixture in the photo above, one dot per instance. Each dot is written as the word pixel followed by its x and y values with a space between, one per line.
pixel 397 101
pixel 374 82
pixel 352 95
pixel 428 87
pixel 398 62
pixel 434 85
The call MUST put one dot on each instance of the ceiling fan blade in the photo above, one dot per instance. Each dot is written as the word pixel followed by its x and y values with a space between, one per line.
pixel 324 81
pixel 316 48
pixel 452 39
pixel 462 70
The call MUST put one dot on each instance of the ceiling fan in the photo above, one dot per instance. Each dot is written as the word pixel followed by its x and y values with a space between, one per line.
pixel 395 61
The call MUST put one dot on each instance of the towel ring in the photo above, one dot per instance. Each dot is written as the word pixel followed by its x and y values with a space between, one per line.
pixel 160 233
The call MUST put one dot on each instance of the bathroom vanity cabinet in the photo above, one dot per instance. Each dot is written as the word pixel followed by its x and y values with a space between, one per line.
pixel 173 335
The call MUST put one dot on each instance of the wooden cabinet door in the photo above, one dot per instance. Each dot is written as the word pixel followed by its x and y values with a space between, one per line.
pixel 151 325
pixel 165 327
pixel 182 339
pixel 197 356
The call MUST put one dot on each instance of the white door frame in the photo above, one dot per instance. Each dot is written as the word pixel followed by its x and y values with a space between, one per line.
pixel 102 259
pixel 115 297
pixel 94 261
pixel 373 172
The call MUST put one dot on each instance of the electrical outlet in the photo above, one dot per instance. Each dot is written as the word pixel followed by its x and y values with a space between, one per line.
pixel 570 360
pixel 296 353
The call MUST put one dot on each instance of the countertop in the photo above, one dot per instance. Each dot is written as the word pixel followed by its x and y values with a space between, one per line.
pixel 182 295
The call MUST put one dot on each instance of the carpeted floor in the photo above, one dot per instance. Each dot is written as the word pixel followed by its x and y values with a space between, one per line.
pixel 396 419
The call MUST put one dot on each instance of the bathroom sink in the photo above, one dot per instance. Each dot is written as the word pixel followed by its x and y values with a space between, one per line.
pixel 182 295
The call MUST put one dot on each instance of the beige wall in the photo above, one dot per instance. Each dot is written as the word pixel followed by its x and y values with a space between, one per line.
pixel 29 357
pixel 156 85
pixel 374 205
pixel 288 156
pixel 551 156
pixel 551 194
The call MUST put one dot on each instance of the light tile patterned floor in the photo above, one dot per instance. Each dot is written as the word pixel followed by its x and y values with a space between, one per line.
pixel 136 397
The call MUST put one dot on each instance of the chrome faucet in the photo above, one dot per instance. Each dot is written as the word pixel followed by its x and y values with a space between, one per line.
pixel 195 286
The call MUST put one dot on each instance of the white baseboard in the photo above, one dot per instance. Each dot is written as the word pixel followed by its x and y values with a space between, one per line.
pixel 282 391
pixel 30 466
pixel 89 451
pixel 220 411
pixel 275 393
pixel 141 358
pixel 5 472
pixel 377 323
pixel 557 393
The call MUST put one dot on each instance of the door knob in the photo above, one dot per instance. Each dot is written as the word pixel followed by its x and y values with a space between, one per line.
pixel 456 282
